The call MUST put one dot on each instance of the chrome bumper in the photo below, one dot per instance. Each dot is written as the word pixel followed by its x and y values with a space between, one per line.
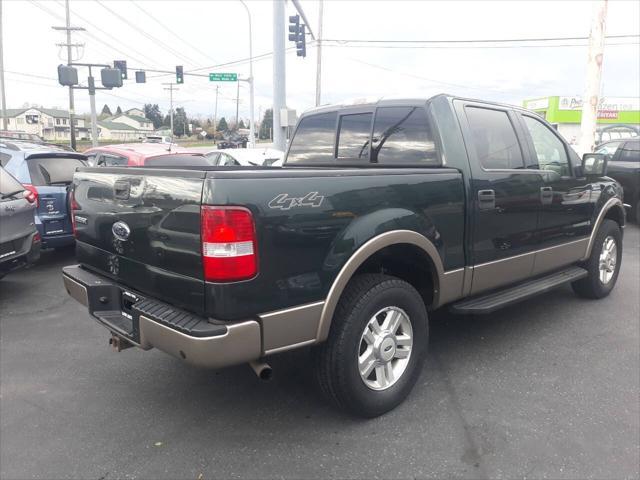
pixel 233 344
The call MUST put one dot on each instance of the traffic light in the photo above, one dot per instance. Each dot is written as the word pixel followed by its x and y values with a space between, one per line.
pixel 297 34
pixel 67 76
pixel 301 44
pixel 179 74
pixel 294 28
pixel 122 66
pixel 141 76
pixel 111 77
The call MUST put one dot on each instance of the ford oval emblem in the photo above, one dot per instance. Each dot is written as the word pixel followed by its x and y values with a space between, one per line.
pixel 121 231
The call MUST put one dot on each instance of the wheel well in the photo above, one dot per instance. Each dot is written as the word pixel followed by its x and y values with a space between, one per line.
pixel 616 214
pixel 408 262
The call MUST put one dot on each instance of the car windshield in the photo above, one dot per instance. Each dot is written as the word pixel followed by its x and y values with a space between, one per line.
pixel 9 185
pixel 53 170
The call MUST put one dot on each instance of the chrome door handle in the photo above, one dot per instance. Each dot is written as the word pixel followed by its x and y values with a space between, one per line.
pixel 546 195
pixel 486 199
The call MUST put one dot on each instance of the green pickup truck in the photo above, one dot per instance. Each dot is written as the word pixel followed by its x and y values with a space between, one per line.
pixel 382 213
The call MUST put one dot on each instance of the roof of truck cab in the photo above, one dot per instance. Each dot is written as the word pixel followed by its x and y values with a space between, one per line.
pixel 397 101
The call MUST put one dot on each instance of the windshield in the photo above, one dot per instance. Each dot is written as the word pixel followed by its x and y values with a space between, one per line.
pixel 8 184
pixel 52 171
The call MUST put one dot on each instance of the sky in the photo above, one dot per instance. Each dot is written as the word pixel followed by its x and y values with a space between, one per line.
pixel 204 34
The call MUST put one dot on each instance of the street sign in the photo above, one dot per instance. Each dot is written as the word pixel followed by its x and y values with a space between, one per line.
pixel 223 77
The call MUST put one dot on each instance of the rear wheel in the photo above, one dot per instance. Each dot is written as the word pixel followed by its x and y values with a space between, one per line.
pixel 604 263
pixel 376 346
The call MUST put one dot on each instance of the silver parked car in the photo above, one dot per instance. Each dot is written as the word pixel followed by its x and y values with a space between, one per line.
pixel 19 239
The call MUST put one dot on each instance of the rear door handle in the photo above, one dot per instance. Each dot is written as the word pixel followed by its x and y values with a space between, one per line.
pixel 486 199
pixel 546 195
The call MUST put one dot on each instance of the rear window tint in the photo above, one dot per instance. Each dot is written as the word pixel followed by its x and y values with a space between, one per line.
pixel 403 135
pixel 8 184
pixel 353 136
pixel 56 170
pixel 314 139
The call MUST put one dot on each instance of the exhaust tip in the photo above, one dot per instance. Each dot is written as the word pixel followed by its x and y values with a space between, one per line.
pixel 262 370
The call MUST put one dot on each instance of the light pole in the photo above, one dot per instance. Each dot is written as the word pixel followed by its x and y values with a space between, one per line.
pixel 252 136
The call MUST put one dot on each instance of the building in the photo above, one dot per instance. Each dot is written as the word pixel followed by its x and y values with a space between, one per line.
pixel 565 113
pixel 129 126
pixel 50 123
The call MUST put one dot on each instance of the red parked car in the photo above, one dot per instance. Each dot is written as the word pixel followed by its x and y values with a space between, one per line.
pixel 128 154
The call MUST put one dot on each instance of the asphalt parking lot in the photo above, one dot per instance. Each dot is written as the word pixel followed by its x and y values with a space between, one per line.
pixel 545 389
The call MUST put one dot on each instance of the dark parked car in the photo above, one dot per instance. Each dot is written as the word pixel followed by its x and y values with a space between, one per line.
pixel 19 239
pixel 381 213
pixel 624 166
pixel 47 172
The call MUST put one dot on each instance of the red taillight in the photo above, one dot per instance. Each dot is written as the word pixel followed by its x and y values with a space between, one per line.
pixel 229 250
pixel 37 238
pixel 73 206
pixel 32 196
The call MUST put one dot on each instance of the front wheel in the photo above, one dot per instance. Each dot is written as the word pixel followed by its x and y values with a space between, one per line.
pixel 603 264
pixel 376 345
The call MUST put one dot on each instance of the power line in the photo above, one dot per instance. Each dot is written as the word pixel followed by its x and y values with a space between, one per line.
pixel 494 40
pixel 145 34
pixel 171 31
pixel 470 47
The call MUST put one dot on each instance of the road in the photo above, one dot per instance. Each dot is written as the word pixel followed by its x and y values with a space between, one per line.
pixel 547 388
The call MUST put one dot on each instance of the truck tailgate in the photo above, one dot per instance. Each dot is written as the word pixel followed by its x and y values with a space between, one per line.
pixel 141 227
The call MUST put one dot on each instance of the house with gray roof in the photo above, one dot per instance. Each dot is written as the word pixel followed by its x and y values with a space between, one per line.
pixel 50 123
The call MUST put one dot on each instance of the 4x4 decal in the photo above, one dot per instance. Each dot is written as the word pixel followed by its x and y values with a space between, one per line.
pixel 285 202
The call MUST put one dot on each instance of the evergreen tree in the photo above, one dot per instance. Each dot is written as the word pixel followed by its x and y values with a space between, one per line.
pixel 241 124
pixel 222 125
pixel 152 112
pixel 266 126
pixel 106 111
pixel 119 110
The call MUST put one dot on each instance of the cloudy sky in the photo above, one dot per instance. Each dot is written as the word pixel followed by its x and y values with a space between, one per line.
pixel 204 34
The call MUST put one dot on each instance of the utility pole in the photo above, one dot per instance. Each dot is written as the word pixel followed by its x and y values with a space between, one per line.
pixel 171 90
pixel 94 117
pixel 3 98
pixel 237 102
pixel 279 81
pixel 215 116
pixel 591 98
pixel 319 54
pixel 68 28
pixel 252 131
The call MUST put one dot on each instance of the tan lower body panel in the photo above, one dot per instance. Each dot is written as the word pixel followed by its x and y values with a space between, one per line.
pixel 555 257
pixel 240 344
pixel 290 328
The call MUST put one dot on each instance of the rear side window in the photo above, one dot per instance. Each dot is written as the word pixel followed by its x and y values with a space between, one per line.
pixel 353 136
pixel 8 184
pixel 51 171
pixel 630 152
pixel 402 135
pixel 314 139
pixel 178 161
pixel 108 160
pixel 494 139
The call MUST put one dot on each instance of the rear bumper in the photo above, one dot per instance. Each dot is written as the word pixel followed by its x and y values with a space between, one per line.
pixel 56 240
pixel 28 254
pixel 149 323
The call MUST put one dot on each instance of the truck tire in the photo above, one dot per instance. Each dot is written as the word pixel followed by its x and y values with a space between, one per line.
pixel 376 346
pixel 604 263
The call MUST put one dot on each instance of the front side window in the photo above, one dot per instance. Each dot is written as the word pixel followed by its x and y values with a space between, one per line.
pixel 549 149
pixel 353 136
pixel 114 161
pixel 402 135
pixel 494 139
pixel 314 139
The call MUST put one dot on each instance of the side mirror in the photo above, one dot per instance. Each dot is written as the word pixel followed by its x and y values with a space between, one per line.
pixel 595 164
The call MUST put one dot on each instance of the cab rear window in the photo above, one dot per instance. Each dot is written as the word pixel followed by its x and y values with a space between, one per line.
pixel 53 170
pixel 314 139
